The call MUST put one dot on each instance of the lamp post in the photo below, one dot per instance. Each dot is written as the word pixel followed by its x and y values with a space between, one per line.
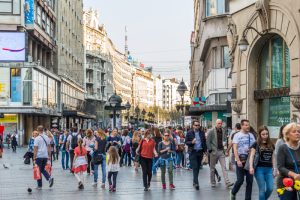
pixel 127 106
pixel 114 104
pixel 181 89
pixel 243 43
pixel 137 112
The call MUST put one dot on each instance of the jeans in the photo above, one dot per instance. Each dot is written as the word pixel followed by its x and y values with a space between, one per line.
pixel 163 173
pixel 71 153
pixel 179 158
pixel 103 167
pixel 264 179
pixel 41 162
pixel 113 182
pixel 127 156
pixel 240 173
pixel 64 154
pixel 146 164
pixel 196 159
pixel 90 164
pixel 154 169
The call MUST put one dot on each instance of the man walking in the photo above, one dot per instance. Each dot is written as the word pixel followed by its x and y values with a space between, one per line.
pixel 64 151
pixel 42 153
pixel 72 144
pixel 242 141
pixel 216 139
pixel 196 142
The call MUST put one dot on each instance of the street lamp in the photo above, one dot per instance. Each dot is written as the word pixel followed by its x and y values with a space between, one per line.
pixel 181 89
pixel 114 104
pixel 127 106
pixel 243 43
pixel 137 112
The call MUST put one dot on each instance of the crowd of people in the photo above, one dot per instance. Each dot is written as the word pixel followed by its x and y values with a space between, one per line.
pixel 253 154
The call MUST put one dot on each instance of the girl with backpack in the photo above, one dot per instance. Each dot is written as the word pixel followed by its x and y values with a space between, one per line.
pixel 135 143
pixel 262 163
pixel 113 168
pixel 80 163
pixel 89 143
pixel 100 150
pixel 165 149
pixel 126 148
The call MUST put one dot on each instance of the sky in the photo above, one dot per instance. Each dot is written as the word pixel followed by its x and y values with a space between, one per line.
pixel 158 31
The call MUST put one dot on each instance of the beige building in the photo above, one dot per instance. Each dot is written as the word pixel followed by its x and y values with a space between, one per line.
pixel 264 40
pixel 210 65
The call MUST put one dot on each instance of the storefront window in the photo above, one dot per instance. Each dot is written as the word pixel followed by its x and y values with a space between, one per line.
pixel 27 86
pixel 275 65
pixel 16 85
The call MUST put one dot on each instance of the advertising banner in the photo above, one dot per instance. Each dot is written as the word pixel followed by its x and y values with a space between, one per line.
pixel 29 12
pixel 12 47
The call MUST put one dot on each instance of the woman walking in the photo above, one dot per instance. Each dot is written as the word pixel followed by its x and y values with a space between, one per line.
pixel 288 160
pixel 52 146
pixel 261 162
pixel 100 150
pixel 180 149
pixel 135 143
pixel 113 167
pixel 126 149
pixel 88 144
pixel 165 149
pixel 157 138
pixel 30 149
pixel 80 163
pixel 147 151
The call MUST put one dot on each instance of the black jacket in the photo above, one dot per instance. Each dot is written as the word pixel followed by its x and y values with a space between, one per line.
pixel 190 137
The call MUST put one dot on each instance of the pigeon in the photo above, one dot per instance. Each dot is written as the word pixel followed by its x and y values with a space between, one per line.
pixel 5 167
pixel 29 190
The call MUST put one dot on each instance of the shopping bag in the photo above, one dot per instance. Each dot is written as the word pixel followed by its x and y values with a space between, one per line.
pixel 48 168
pixel 205 159
pixel 36 173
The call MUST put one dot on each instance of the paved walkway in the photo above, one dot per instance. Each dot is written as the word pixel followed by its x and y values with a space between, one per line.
pixel 15 180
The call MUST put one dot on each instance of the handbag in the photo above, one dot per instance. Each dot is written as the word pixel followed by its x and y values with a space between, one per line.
pixel 36 173
pixel 138 156
pixel 205 159
pixel 48 168
pixel 255 159
pixel 97 158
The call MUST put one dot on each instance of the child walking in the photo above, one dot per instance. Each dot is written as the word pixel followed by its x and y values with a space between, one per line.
pixel 113 167
pixel 80 163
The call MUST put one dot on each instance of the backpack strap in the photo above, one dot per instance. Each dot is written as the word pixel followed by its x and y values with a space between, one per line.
pixel 294 161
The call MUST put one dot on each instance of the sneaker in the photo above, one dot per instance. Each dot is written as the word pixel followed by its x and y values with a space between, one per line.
pixel 229 184
pixel 110 188
pixel 232 197
pixel 94 184
pixel 213 185
pixel 80 185
pixel 148 185
pixel 172 187
pixel 103 185
pixel 219 179
pixel 164 186
pixel 114 190
pixel 38 188
pixel 146 189
pixel 51 181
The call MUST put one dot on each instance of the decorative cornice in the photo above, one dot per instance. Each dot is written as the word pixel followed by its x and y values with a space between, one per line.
pixel 271 93
pixel 295 99
pixel 237 105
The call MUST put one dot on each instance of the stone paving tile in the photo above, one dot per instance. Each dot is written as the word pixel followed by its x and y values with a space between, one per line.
pixel 15 180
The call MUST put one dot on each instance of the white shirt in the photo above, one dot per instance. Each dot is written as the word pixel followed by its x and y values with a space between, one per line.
pixel 244 141
pixel 42 142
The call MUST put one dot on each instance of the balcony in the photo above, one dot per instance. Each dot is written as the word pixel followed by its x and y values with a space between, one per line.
pixel 89 67
pixel 89 81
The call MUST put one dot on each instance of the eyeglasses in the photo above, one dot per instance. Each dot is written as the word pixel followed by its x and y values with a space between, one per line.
pixel 167 135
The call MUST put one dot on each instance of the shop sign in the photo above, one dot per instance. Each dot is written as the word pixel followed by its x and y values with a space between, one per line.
pixel 279 111
pixel 9 118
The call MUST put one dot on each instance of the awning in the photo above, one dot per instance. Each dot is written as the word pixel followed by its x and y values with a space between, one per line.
pixel 199 110
pixel 74 113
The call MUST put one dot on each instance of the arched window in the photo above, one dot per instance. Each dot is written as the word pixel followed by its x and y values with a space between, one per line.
pixel 274 69
pixel 274 73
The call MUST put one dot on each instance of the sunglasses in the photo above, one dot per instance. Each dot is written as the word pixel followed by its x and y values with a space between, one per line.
pixel 167 135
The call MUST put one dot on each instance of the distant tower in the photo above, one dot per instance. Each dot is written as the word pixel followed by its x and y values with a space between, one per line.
pixel 126 44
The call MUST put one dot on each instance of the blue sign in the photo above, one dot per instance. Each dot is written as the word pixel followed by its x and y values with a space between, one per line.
pixel 29 12
pixel 16 88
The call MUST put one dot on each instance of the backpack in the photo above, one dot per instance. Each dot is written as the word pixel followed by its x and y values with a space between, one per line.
pixel 74 141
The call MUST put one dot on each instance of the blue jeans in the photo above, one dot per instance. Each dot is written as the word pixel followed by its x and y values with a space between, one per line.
pixel 41 162
pixel 103 167
pixel 154 169
pixel 240 173
pixel 264 179
pixel 64 154
pixel 179 157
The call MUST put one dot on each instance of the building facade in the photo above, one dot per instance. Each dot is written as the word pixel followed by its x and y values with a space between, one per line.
pixel 264 40
pixel 170 96
pixel 210 64
pixel 29 93
pixel 98 67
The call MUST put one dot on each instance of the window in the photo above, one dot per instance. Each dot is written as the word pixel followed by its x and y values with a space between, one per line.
pixel 6 6
pixel 274 66
pixel 48 26
pixel 43 20
pixel 225 57
pixel 38 15
pixel 216 7
pixel 214 57
pixel 16 84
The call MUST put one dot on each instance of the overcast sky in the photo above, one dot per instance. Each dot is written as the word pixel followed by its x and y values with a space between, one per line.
pixel 158 31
